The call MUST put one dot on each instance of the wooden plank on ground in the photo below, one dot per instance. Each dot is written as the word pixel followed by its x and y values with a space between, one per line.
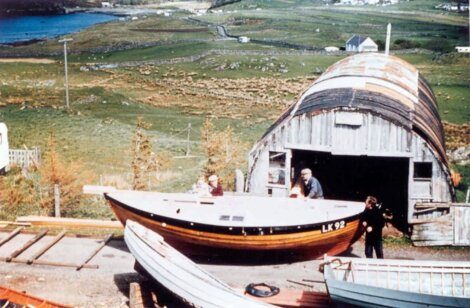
pixel 11 235
pixel 140 296
pixel 103 243
pixel 70 223
pixel 38 254
pixel 28 244
pixel 97 189
pixel 296 298
pixel 5 223
pixel 51 263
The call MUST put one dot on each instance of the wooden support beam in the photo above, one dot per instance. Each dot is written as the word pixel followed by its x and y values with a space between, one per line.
pixel 38 254
pixel 28 244
pixel 14 223
pixel 11 235
pixel 142 295
pixel 69 223
pixel 103 243
pixel 51 263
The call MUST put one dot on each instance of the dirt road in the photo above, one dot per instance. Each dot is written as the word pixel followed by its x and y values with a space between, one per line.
pixel 26 60
pixel 108 286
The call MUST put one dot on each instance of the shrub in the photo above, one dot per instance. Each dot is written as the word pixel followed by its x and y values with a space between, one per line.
pixel 224 152
pixel 405 44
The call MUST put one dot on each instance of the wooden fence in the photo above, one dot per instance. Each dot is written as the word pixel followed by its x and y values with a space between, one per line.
pixel 450 225
pixel 25 158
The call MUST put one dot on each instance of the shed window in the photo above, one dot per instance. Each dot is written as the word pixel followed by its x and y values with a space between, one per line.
pixel 422 171
pixel 277 166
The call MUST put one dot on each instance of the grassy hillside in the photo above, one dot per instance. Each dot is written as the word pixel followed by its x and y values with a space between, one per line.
pixel 243 85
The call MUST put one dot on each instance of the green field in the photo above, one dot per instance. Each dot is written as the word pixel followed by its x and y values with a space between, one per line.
pixel 105 103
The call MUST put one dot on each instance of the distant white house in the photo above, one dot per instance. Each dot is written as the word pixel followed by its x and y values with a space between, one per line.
pixel 463 49
pixel 453 7
pixel 4 148
pixel 359 2
pixel 106 4
pixel 331 49
pixel 243 39
pixel 359 43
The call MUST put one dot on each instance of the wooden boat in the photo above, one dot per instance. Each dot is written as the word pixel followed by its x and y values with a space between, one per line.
pixel 179 274
pixel 397 283
pixel 12 298
pixel 308 228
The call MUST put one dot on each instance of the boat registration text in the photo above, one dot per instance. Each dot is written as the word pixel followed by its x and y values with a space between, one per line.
pixel 333 226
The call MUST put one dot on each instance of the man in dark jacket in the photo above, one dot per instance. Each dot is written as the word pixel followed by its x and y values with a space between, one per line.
pixel 311 186
pixel 373 220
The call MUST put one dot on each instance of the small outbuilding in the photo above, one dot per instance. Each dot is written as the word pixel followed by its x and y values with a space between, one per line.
pixel 331 49
pixel 368 126
pixel 359 43
pixel 243 39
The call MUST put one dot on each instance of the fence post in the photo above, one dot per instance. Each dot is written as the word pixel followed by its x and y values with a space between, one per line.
pixel 56 200
pixel 239 181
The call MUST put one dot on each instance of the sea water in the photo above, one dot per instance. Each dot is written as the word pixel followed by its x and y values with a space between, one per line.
pixel 25 28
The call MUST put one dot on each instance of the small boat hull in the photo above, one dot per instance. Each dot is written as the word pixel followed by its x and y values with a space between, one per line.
pixel 308 244
pixel 180 275
pixel 351 287
pixel 21 299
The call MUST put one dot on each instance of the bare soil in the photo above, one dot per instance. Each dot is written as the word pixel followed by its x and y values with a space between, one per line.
pixel 108 286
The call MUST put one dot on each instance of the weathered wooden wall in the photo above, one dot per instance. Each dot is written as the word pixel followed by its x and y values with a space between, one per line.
pixel 446 224
pixel 343 132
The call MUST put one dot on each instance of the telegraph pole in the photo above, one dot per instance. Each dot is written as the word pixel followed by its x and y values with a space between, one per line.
pixel 66 82
pixel 387 42
pixel 187 139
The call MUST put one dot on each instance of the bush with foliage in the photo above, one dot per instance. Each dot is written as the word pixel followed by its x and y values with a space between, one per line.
pixel 224 152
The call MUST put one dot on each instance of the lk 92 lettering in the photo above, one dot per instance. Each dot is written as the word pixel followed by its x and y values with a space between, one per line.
pixel 333 226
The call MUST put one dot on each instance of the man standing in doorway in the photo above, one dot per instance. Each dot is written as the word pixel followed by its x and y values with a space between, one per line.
pixel 311 186
pixel 373 220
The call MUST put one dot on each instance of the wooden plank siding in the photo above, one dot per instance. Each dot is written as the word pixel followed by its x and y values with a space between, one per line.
pixel 375 137
pixel 365 105
pixel 445 224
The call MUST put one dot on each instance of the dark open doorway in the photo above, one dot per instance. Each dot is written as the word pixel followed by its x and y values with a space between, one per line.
pixel 356 177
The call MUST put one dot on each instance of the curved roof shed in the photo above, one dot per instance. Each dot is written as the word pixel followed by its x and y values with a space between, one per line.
pixel 367 105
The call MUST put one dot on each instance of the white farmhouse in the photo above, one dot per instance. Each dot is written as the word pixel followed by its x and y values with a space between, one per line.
pixel 358 43
pixel 331 49
pixel 106 4
pixel 4 149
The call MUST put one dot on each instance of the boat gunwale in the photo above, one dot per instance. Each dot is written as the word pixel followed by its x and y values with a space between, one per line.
pixel 397 295
pixel 232 230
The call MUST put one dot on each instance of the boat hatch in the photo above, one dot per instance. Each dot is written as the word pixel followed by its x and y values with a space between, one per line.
pixel 237 218
pixel 224 217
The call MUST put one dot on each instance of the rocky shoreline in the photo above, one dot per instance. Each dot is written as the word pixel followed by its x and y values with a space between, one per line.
pixel 13 8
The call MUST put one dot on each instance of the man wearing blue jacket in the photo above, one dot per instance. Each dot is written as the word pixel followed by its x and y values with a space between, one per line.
pixel 311 186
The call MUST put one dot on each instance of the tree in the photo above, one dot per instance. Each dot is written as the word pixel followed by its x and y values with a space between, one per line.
pixel 224 153
pixel 70 176
pixel 144 160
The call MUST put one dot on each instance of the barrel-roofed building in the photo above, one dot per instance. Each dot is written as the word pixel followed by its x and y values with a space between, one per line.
pixel 368 126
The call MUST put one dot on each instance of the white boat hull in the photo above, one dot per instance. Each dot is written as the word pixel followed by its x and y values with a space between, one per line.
pixel 398 283
pixel 179 274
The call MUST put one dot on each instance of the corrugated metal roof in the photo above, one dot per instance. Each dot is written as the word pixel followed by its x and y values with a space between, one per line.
pixel 380 84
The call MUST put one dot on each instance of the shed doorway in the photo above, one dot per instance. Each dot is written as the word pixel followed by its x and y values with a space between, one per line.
pixel 356 177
